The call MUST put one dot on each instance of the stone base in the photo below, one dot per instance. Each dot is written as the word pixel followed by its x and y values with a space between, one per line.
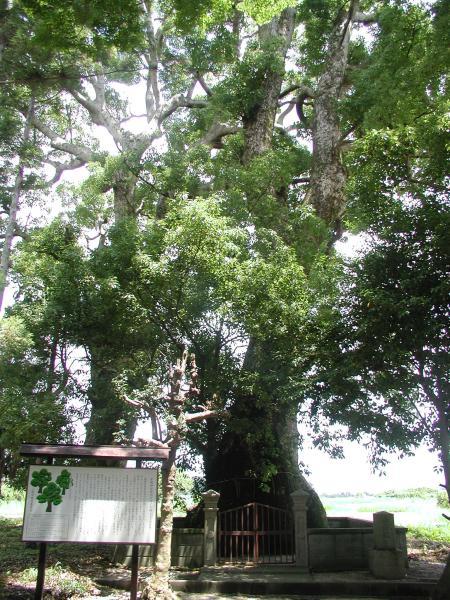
pixel 387 564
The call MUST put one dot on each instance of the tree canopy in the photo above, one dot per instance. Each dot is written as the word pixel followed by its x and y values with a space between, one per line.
pixel 226 147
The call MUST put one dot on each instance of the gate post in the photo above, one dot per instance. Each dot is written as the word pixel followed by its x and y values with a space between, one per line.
pixel 299 501
pixel 211 500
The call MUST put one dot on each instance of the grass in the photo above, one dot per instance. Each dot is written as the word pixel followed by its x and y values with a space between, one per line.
pixel 439 534
pixel 63 582
pixel 71 568
pixel 442 500
pixel 374 509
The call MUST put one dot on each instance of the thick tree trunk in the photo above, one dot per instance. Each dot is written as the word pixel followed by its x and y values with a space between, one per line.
pixel 257 440
pixel 11 225
pixel 259 122
pixel 235 467
pixel 2 468
pixel 111 419
pixel 124 187
pixel 5 7
pixel 328 175
pixel 444 440
pixel 257 456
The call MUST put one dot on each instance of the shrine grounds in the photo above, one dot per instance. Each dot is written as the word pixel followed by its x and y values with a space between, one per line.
pixel 74 570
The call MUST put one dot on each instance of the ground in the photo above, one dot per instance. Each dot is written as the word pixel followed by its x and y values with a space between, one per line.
pixel 73 570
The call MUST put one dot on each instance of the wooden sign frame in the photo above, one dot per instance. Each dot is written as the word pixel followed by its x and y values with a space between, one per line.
pixel 49 452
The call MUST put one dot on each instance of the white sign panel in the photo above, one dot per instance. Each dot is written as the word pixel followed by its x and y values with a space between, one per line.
pixel 90 504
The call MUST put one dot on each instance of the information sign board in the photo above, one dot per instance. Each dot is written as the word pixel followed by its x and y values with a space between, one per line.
pixel 90 504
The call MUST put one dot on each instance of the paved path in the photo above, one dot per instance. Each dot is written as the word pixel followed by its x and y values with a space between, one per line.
pixel 184 596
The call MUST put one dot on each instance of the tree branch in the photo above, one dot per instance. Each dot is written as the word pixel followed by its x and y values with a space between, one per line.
pixel 179 101
pixel 204 85
pixel 100 116
pixel 75 163
pixel 286 111
pixel 201 416
pixel 213 137
pixel 299 103
pixel 365 18
pixel 81 152
pixel 289 89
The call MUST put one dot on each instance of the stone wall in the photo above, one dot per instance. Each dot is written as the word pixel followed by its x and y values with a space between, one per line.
pixel 187 550
pixel 345 548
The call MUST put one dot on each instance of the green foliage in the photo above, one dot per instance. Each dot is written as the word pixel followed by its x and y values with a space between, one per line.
pixel 263 11
pixel 10 493
pixel 206 13
pixel 203 13
pixel 83 25
pixel 28 409
pixel 442 500
pixel 440 533
pixel 421 492
pixel 213 253
pixel 402 77
pixel 318 17
pixel 184 491
pixel 242 91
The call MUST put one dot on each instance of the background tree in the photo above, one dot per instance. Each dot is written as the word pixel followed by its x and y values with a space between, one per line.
pixel 385 366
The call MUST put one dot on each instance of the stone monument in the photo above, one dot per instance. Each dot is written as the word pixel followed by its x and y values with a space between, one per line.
pixel 386 560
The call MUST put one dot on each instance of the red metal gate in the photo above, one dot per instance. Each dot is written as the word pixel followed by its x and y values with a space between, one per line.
pixel 256 533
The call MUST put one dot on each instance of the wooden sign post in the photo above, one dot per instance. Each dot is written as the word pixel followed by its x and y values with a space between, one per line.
pixel 91 504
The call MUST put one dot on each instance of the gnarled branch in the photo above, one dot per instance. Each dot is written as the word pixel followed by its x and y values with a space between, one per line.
pixel 213 137
pixel 179 101
pixel 83 153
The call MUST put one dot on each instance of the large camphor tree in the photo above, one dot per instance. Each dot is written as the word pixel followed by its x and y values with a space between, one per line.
pixel 215 219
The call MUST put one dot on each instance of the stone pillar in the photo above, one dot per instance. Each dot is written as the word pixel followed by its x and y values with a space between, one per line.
pixel 386 560
pixel 211 500
pixel 299 501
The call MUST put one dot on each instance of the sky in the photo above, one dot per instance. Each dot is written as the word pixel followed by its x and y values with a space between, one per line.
pixel 354 472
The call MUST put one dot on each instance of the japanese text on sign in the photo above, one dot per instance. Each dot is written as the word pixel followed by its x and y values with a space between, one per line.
pixel 90 504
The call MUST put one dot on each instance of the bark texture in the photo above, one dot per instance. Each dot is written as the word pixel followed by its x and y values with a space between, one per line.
pixel 259 122
pixel 232 467
pixel 328 175
pixel 11 227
